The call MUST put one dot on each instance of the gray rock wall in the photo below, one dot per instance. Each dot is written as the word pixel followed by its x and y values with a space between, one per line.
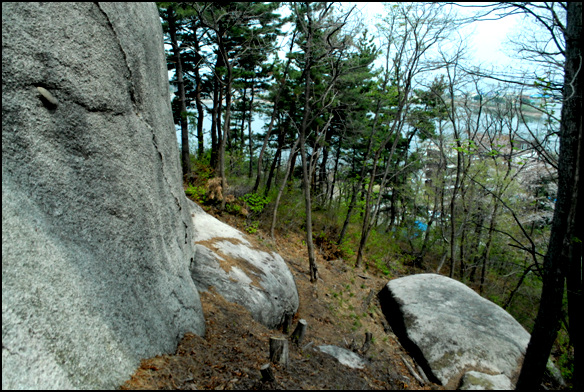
pixel 96 235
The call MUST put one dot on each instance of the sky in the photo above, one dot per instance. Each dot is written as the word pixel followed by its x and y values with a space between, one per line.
pixel 486 38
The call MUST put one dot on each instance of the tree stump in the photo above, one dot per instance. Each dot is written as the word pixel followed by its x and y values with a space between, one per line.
pixel 287 323
pixel 299 332
pixel 367 343
pixel 367 300
pixel 279 351
pixel 267 373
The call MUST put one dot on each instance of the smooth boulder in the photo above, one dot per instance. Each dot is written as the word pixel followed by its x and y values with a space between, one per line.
pixel 451 330
pixel 258 280
pixel 96 235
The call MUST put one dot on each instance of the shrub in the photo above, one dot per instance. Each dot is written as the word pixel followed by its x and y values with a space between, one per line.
pixel 252 228
pixel 196 193
pixel 255 202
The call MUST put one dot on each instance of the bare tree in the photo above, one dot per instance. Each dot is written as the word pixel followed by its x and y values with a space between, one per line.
pixel 319 42
pixel 410 30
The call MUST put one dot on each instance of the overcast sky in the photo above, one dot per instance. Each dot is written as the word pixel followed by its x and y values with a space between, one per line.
pixel 486 38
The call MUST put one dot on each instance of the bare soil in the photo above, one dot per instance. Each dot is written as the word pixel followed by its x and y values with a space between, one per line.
pixel 339 309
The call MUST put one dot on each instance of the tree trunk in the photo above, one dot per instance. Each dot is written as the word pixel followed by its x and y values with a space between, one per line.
pixel 353 201
pixel 267 373
pixel 352 204
pixel 289 169
pixel 265 144
pixel 249 121
pixel 366 227
pixel 226 128
pixel 273 118
pixel 331 192
pixel 303 128
pixel 323 182
pixel 487 250
pixel 279 351
pixel 198 100
pixel 299 332
pixel 452 210
pixel 307 200
pixel 184 124
pixel 419 261
pixel 565 247
pixel 243 111
pixel 215 116
pixel 277 157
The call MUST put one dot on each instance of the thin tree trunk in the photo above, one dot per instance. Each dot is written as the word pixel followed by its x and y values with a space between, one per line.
pixel 394 131
pixel 306 185
pixel 517 286
pixel 198 100
pixel 277 157
pixel 249 121
pixel 418 262
pixel 487 251
pixel 226 127
pixel 184 124
pixel 242 128
pixel 323 183
pixel 303 129
pixel 367 218
pixel 215 116
pixel 330 195
pixel 452 210
pixel 272 119
pixel 353 201
pixel 289 168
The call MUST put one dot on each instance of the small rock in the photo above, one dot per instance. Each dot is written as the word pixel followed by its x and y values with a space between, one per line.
pixel 480 381
pixel 344 356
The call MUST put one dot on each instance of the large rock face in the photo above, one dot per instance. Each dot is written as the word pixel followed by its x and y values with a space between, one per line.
pixel 258 280
pixel 451 330
pixel 96 237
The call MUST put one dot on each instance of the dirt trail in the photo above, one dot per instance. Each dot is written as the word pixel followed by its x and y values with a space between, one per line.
pixel 340 308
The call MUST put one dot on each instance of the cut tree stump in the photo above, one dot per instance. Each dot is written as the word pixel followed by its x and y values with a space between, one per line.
pixel 267 373
pixel 367 300
pixel 287 323
pixel 367 343
pixel 299 332
pixel 279 351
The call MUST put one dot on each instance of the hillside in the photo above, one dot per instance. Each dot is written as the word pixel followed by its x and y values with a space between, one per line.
pixel 339 309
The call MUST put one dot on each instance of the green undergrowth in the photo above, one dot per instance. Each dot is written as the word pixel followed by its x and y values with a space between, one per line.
pixel 389 253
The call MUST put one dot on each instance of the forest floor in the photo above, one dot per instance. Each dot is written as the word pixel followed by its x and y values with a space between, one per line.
pixel 339 309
